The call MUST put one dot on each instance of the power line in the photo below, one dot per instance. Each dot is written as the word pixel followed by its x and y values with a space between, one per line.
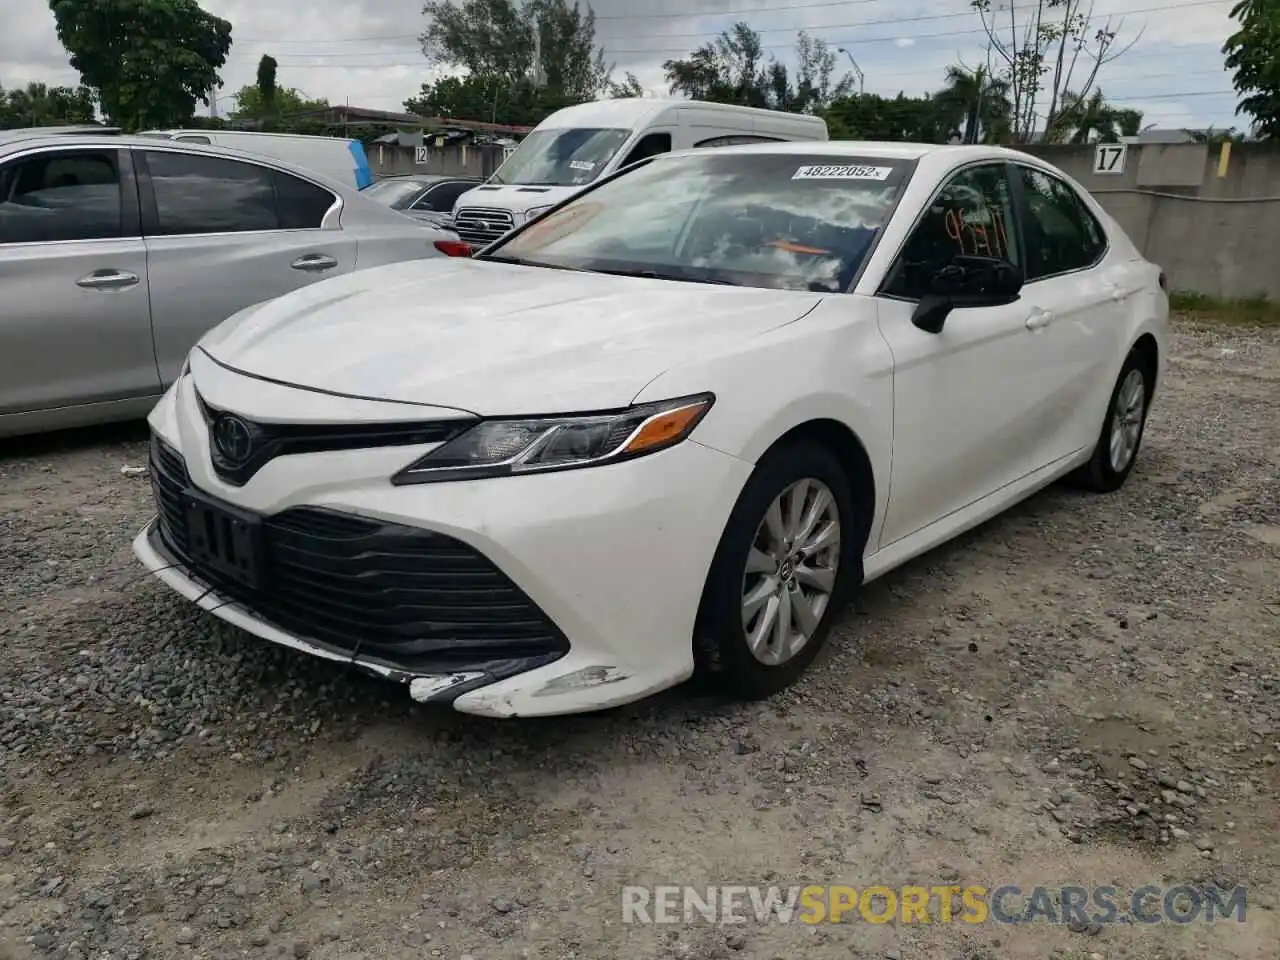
pixel 861 42
pixel 776 8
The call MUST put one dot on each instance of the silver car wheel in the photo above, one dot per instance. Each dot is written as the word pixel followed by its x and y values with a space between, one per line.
pixel 791 571
pixel 1126 420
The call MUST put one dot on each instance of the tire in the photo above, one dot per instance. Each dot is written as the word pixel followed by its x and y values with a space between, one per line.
pixel 723 654
pixel 1123 428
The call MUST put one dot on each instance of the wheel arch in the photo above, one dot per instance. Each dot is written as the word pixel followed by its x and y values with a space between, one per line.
pixel 1148 350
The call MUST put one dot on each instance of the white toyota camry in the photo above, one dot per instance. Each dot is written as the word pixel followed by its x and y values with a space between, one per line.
pixel 667 427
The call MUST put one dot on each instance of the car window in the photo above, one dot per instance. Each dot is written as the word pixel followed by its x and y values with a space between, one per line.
pixel 736 138
pixel 196 194
pixel 59 196
pixel 302 205
pixel 442 196
pixel 775 220
pixel 650 145
pixel 1061 234
pixel 972 215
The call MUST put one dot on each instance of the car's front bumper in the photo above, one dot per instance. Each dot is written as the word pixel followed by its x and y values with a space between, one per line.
pixel 615 557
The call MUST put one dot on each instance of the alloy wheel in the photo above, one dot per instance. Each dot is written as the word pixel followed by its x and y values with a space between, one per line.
pixel 1126 420
pixel 791 571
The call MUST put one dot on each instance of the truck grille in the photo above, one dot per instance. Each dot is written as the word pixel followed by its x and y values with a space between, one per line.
pixel 413 598
pixel 479 226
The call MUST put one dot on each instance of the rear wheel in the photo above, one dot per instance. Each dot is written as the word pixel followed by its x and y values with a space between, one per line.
pixel 780 575
pixel 1122 430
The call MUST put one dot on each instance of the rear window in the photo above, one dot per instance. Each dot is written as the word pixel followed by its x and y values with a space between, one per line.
pixel 776 220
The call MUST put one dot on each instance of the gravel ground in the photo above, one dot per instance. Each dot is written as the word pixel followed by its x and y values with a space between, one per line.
pixel 1084 691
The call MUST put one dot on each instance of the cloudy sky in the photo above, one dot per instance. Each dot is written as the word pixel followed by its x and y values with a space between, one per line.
pixel 364 51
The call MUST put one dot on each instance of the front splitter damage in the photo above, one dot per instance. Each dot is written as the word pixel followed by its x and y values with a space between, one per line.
pixel 424 686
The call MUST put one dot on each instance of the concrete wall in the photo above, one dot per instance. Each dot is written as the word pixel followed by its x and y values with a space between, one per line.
pixel 1213 224
pixel 471 160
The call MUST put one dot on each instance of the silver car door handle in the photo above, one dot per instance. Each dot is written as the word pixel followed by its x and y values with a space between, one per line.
pixel 314 261
pixel 1039 319
pixel 108 280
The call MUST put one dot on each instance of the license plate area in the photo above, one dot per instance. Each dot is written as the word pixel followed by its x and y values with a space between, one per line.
pixel 224 540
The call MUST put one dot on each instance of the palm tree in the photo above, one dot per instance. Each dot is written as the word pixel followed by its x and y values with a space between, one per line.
pixel 976 100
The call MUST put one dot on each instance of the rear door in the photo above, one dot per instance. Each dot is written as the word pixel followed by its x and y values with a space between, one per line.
pixel 75 325
pixel 1067 277
pixel 224 234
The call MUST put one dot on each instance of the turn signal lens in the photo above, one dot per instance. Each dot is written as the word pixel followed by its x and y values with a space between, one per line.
pixel 665 428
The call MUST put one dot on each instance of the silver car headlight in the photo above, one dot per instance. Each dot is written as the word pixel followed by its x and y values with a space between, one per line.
pixel 533 212
pixel 498 448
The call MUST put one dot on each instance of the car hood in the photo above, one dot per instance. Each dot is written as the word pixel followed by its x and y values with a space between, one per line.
pixel 517 198
pixel 492 338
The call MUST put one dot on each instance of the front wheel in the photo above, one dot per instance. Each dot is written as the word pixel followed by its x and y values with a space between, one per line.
pixel 1122 430
pixel 780 575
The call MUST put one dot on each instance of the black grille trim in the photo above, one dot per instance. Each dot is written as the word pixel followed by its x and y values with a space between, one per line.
pixel 271 440
pixel 415 600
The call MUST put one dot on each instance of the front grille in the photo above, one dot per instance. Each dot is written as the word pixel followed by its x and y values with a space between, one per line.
pixel 417 599
pixel 479 226
pixel 267 441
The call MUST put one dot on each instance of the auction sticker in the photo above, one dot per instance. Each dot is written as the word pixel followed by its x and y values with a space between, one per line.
pixel 842 172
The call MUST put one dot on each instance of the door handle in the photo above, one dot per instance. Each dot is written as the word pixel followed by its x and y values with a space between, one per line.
pixel 1039 319
pixel 108 280
pixel 314 261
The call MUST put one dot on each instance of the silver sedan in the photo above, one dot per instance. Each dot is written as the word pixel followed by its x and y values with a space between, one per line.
pixel 117 253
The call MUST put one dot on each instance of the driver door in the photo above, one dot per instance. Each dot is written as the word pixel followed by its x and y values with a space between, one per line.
pixel 966 398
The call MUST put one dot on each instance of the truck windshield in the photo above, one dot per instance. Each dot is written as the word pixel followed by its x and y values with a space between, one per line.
pixel 561 158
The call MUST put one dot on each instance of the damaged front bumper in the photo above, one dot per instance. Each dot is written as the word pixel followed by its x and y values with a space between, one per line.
pixel 545 685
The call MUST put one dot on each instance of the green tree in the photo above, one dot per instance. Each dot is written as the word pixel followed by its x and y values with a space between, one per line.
pixel 148 61
pixel 733 69
pixel 505 44
pixel 1045 49
pixel 627 89
pixel 975 102
pixel 266 87
pixel 873 117
pixel 39 105
pixel 1092 120
pixel 1253 57
pixel 491 100
pixel 289 104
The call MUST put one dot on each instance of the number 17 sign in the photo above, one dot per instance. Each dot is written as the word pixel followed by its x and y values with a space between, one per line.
pixel 1109 157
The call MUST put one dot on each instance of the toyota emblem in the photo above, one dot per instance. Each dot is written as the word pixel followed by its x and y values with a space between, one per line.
pixel 232 439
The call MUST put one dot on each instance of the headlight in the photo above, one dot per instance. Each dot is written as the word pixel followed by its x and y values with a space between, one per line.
pixel 536 211
pixel 497 448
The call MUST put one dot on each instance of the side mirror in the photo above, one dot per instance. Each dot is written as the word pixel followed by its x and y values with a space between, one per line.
pixel 967 282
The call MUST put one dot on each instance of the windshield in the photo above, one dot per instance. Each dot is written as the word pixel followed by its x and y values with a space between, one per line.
pixel 396 194
pixel 561 158
pixel 778 220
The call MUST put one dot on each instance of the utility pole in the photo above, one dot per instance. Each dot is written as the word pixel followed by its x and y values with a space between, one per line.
pixel 862 79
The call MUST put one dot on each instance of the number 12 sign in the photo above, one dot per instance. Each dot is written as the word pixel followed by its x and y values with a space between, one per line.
pixel 1109 157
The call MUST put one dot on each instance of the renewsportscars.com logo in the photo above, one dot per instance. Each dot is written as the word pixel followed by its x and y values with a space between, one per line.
pixel 943 903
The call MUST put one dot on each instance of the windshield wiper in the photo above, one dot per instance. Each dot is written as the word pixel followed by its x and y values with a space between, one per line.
pixel 521 262
pixel 655 275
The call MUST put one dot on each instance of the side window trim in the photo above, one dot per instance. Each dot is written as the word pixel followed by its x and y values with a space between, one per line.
pixel 130 220
pixel 1015 226
pixel 1082 211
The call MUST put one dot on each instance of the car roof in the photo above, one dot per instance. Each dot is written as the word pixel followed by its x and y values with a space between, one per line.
pixel 10 145
pixel 81 130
